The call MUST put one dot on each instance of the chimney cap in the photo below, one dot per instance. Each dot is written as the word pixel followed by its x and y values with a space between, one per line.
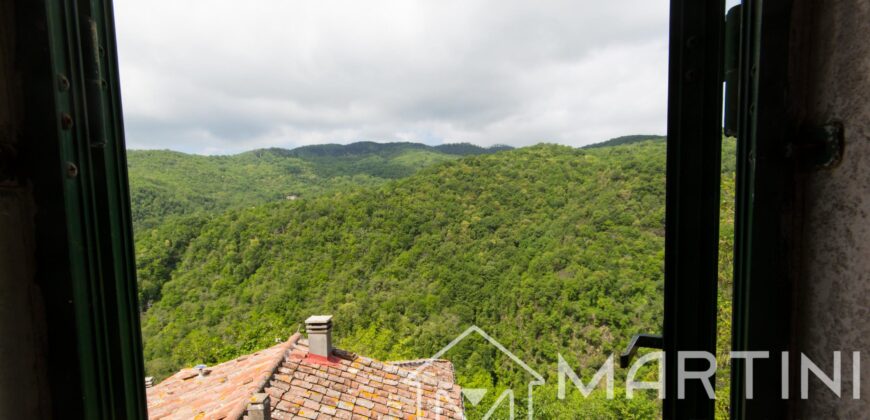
pixel 319 319
pixel 319 329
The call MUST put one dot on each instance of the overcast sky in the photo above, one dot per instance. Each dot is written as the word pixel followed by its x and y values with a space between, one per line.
pixel 220 76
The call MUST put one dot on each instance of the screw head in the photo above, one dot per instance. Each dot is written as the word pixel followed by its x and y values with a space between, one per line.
pixel 72 170
pixel 66 121
pixel 62 83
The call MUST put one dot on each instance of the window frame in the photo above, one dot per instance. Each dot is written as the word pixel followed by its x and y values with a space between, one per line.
pixel 695 75
pixel 762 301
pixel 100 268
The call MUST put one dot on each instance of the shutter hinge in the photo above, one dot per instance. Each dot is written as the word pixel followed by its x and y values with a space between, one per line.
pixel 731 64
pixel 96 86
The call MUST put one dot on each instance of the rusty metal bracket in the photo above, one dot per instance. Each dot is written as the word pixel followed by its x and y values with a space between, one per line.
pixel 819 147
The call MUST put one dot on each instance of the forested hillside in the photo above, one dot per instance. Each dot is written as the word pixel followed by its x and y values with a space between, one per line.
pixel 551 250
pixel 164 184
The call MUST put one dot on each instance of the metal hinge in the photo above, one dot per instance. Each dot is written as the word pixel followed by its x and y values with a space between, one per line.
pixel 731 63
pixel 96 86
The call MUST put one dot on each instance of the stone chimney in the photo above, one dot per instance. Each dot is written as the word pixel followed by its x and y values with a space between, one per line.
pixel 319 329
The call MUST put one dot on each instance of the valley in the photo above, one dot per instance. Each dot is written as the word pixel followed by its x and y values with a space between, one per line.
pixel 553 250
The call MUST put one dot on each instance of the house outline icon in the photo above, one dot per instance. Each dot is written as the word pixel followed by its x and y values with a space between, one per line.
pixel 507 394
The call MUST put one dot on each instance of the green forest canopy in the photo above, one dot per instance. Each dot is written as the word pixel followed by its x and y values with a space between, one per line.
pixel 550 249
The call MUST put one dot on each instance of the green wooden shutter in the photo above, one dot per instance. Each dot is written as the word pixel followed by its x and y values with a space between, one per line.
pixel 93 172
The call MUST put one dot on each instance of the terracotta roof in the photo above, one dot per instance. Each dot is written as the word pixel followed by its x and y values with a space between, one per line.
pixel 222 393
pixel 355 387
pixel 303 386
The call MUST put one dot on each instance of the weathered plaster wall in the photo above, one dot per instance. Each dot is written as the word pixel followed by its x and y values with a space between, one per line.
pixel 23 383
pixel 831 81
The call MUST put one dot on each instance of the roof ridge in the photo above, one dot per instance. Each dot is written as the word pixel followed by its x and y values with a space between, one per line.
pixel 264 379
pixel 415 361
pixel 409 371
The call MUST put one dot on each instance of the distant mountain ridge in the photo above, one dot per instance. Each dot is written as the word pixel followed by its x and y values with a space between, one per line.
pixel 370 147
pixel 165 183
pixel 623 140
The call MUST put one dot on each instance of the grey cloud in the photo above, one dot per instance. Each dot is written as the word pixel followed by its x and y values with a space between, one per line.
pixel 217 76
